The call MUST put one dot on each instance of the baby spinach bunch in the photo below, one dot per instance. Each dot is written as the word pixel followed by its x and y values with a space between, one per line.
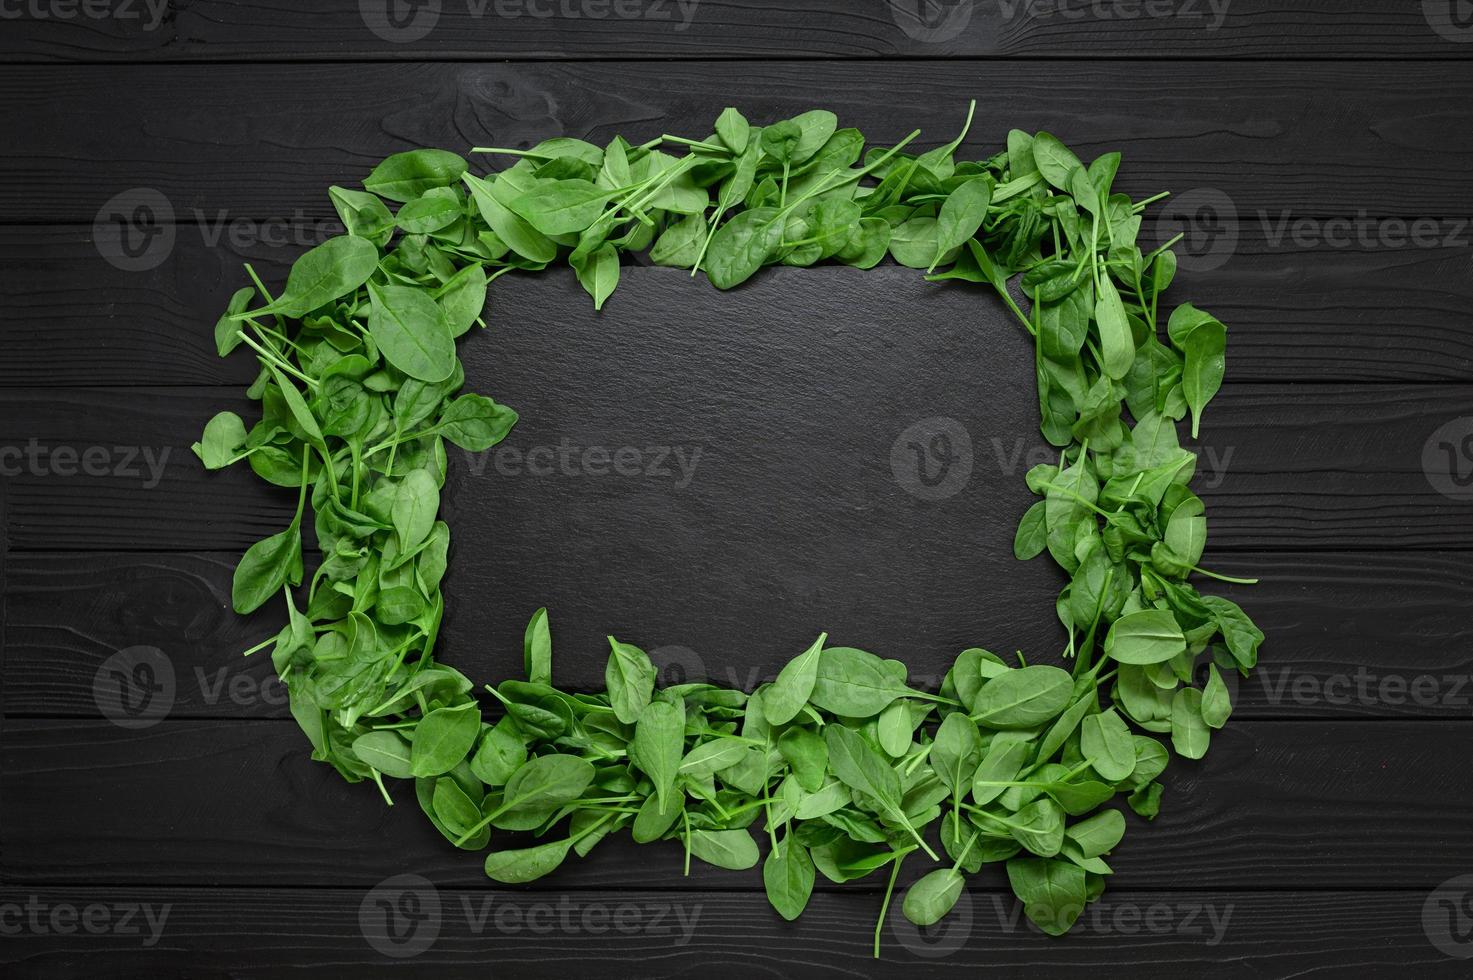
pixel 840 764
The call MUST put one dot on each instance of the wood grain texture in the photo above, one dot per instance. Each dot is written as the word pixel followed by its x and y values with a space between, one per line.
pixel 1299 307
pixel 1302 804
pixel 272 30
pixel 1318 154
pixel 259 142
pixel 1350 635
pixel 619 934
pixel 795 419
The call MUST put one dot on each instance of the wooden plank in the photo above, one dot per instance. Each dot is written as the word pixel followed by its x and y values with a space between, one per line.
pixel 274 30
pixel 1317 804
pixel 458 933
pixel 1317 467
pixel 1300 306
pixel 1370 634
pixel 801 435
pixel 1315 139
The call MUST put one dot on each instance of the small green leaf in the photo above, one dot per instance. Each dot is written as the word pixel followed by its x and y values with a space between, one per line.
pixel 385 751
pixel 537 649
pixel 266 567
pixel 405 176
pixel 788 876
pixel 790 692
pixel 961 215
pixel 1189 731
pixel 598 274
pixel 517 867
pixel 416 501
pixel 223 438
pixel 855 683
pixel 1217 703
pixel 630 678
pixel 1023 698
pixel 443 738
pixel 475 423
pixel 1150 636
pixel 411 330
pixel 1054 160
pixel 658 744
pixel 929 899
pixel 1107 744
pixel 734 850
pixel 1117 346
pixel 330 271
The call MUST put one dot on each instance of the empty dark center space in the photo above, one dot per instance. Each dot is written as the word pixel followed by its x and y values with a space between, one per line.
pixel 719 477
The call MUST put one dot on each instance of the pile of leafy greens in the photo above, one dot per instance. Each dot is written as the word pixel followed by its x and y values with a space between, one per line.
pixel 839 764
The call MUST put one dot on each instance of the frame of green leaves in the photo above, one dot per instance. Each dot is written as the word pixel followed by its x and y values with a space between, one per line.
pixel 841 764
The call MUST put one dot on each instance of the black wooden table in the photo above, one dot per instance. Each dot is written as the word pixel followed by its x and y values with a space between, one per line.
pixel 1320 155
